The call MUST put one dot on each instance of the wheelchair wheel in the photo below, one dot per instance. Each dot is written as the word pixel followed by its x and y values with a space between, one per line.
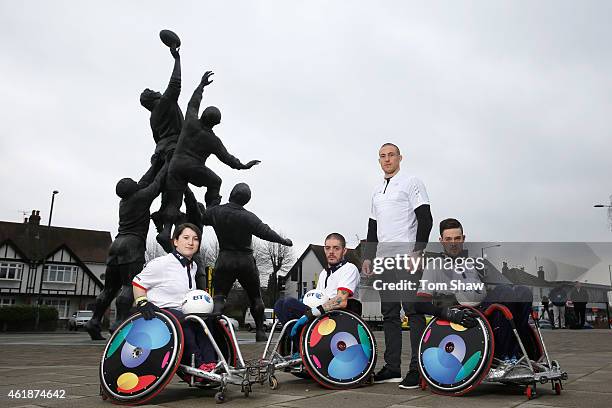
pixel 338 350
pixel 452 359
pixel 141 358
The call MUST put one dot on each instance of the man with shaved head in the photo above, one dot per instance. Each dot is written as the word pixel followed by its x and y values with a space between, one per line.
pixel 400 222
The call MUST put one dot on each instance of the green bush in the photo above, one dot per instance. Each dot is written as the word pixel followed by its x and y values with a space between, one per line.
pixel 18 313
pixel 23 318
pixel 48 314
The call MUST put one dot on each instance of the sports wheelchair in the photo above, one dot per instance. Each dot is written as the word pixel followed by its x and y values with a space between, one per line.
pixel 337 350
pixel 454 360
pixel 142 357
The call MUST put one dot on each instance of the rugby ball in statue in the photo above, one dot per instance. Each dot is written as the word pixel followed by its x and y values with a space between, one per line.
pixel 170 38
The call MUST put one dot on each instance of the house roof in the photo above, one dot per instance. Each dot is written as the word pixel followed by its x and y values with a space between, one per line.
pixel 37 241
pixel 520 277
pixel 352 255
pixel 493 275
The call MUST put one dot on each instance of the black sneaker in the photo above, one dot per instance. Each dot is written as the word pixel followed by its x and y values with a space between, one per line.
pixel 410 381
pixel 387 375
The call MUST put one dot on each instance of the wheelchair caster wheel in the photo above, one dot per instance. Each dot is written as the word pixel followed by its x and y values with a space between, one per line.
pixel 423 384
pixel 219 398
pixel 558 388
pixel 273 383
pixel 530 392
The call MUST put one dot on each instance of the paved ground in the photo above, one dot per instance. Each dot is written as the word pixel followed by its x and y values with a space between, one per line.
pixel 68 362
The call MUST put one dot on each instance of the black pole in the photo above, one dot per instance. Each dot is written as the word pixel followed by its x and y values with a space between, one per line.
pixel 39 299
pixel 51 211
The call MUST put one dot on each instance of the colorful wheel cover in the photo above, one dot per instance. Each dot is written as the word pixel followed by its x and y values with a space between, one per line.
pixel 453 359
pixel 141 357
pixel 338 350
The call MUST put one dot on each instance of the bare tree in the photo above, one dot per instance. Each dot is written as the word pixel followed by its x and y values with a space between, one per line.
pixel 154 250
pixel 271 258
pixel 209 251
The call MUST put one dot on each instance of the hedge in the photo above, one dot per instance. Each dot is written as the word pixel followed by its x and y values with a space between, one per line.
pixel 23 318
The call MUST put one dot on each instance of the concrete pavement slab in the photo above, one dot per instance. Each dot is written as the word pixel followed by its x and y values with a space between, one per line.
pixel 586 355
pixel 352 398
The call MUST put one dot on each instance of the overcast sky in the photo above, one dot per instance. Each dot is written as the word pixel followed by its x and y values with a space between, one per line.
pixel 501 108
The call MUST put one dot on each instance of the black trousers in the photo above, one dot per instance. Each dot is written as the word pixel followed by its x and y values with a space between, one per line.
pixel 391 304
pixel 580 310
pixel 392 326
pixel 195 341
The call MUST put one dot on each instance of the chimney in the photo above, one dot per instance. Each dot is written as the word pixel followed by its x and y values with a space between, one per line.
pixel 34 218
pixel 541 272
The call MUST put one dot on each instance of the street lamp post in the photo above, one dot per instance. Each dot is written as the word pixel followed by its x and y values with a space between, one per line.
pixel 52 202
pixel 490 246
pixel 608 304
pixel 39 300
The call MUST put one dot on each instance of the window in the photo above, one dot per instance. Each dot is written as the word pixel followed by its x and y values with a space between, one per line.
pixel 11 270
pixel 61 273
pixel 62 306
pixel 7 301
pixel 304 288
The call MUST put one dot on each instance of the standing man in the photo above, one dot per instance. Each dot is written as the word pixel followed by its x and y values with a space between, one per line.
pixel 579 298
pixel 401 219
pixel 558 297
pixel 546 311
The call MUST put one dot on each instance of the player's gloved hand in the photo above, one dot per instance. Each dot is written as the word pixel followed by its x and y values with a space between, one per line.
pixel 146 308
pixel 464 317
pixel 297 327
pixel 287 242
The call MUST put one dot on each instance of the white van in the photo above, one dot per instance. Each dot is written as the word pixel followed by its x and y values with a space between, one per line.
pixel 249 322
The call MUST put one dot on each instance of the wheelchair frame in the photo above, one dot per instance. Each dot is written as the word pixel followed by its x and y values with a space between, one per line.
pixel 294 366
pixel 523 372
pixel 244 373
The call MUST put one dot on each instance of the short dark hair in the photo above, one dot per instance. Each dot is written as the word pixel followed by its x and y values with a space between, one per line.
pixel 391 144
pixel 339 237
pixel 179 230
pixel 450 223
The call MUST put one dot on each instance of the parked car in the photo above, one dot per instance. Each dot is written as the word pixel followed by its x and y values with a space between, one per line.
pixel 79 319
pixel 249 322
pixel 234 323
